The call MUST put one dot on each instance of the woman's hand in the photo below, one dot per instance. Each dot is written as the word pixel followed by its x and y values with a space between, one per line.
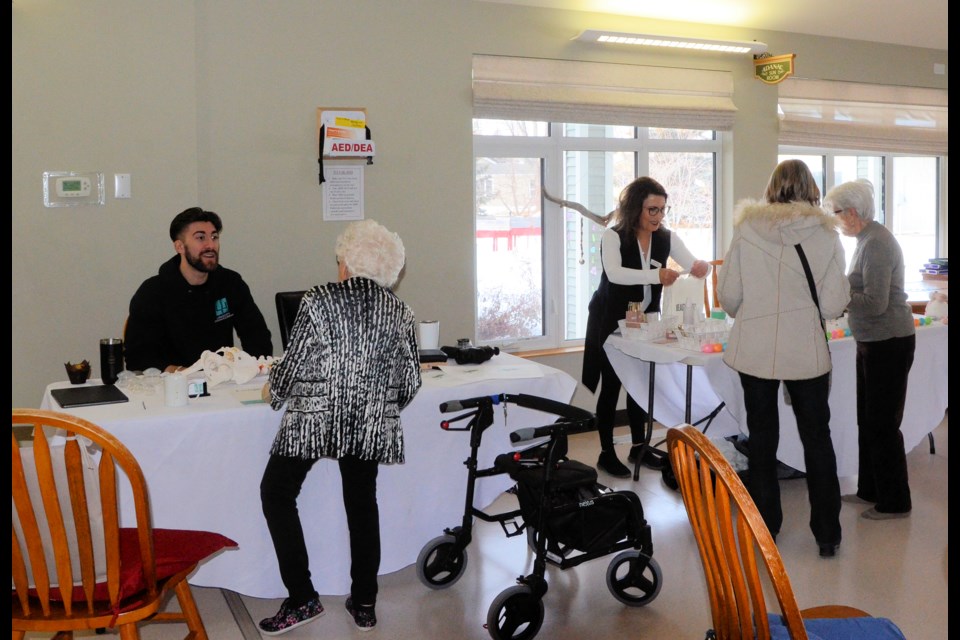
pixel 700 269
pixel 668 276
pixel 265 392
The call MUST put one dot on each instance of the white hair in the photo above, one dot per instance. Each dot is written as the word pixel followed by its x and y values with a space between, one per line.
pixel 856 195
pixel 370 250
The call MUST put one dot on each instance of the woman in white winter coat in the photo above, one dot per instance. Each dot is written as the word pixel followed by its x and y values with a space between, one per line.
pixel 778 335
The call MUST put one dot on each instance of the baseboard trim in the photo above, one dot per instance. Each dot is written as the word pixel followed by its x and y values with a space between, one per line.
pixel 241 615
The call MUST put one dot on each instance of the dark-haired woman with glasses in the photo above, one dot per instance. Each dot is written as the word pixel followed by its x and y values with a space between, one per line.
pixel 634 252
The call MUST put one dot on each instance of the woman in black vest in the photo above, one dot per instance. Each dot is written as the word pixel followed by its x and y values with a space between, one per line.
pixel 634 252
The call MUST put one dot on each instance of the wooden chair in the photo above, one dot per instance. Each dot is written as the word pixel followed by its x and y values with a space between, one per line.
pixel 66 475
pixel 730 532
pixel 710 299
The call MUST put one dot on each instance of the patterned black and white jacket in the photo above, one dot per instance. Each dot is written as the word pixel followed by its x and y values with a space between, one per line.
pixel 350 367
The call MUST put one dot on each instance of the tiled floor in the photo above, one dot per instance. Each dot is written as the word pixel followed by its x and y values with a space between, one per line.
pixel 896 569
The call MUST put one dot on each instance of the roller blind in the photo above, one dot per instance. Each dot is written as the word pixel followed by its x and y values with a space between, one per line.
pixel 512 88
pixel 849 115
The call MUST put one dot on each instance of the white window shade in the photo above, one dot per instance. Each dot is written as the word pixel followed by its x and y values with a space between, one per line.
pixel 598 93
pixel 863 117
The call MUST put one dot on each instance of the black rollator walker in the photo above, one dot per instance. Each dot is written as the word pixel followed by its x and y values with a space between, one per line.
pixel 567 516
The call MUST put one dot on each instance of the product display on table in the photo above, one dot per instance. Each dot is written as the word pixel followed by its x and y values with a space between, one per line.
pixel 937 307
pixel 230 364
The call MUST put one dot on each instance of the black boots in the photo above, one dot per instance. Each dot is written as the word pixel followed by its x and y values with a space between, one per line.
pixel 609 463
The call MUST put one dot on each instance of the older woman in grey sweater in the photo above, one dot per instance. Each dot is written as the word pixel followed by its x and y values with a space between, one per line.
pixel 881 322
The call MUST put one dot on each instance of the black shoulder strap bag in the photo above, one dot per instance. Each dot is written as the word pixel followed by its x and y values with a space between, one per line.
pixel 813 287
pixel 816 299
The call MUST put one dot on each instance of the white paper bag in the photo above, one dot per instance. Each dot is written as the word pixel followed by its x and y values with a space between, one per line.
pixel 686 291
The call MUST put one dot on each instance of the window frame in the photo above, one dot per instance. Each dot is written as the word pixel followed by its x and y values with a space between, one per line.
pixel 551 149
pixel 885 192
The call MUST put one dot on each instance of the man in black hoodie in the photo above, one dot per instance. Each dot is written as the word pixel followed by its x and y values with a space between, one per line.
pixel 193 304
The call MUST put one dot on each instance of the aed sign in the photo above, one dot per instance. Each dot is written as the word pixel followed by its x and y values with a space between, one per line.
pixel 345 147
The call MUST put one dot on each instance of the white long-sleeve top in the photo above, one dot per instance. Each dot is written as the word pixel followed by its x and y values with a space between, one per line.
pixel 650 274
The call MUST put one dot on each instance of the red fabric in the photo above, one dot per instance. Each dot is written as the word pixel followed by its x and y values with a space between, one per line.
pixel 174 550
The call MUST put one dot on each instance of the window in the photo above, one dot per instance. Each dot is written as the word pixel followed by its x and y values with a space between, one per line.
pixel 538 263
pixel 896 137
pixel 907 192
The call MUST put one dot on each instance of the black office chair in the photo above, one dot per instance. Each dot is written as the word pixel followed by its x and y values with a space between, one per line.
pixel 288 303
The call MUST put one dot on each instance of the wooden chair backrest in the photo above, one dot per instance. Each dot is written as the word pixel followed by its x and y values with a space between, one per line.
pixel 67 519
pixel 730 532
pixel 710 299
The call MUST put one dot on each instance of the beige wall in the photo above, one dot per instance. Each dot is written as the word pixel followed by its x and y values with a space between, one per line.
pixel 212 103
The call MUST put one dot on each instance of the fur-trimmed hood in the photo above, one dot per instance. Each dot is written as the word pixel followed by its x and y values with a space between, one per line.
pixel 783 223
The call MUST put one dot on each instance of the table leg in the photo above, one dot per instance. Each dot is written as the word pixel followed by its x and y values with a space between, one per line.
pixel 648 431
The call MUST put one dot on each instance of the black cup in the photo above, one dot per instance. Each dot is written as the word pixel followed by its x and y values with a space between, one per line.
pixel 111 359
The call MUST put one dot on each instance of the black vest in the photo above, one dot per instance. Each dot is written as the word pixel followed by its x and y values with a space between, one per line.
pixel 609 302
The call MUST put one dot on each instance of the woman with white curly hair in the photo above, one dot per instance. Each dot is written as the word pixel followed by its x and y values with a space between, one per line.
pixel 350 367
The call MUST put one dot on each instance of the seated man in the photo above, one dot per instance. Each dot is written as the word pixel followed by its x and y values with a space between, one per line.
pixel 193 304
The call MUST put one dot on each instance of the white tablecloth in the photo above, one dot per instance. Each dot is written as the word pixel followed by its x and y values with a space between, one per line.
pixel 203 465
pixel 714 382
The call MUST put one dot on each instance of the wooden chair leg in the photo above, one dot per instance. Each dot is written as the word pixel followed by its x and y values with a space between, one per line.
pixel 129 631
pixel 190 612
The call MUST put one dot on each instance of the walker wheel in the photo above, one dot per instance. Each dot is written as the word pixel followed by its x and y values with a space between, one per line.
pixel 515 614
pixel 438 566
pixel 634 578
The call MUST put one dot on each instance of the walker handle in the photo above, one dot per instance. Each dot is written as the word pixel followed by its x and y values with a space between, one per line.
pixel 468 403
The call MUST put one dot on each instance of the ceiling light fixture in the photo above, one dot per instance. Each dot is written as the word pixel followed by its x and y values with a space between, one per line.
pixel 699 44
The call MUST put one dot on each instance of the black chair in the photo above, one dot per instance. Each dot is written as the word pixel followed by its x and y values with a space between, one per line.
pixel 288 303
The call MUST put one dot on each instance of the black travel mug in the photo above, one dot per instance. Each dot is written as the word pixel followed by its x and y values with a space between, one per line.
pixel 111 359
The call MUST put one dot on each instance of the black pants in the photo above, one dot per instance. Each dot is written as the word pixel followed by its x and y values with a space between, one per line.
pixel 882 371
pixel 809 399
pixel 607 408
pixel 279 488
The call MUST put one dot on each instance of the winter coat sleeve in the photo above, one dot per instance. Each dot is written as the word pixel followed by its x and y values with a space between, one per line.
pixel 834 289
pixel 729 280
pixel 304 338
pixel 408 364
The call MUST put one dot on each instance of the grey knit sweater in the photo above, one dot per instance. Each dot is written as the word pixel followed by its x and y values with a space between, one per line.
pixel 878 308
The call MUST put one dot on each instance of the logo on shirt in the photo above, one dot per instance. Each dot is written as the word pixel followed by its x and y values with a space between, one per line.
pixel 221 310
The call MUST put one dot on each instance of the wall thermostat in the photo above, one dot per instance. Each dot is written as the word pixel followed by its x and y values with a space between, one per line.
pixel 73 188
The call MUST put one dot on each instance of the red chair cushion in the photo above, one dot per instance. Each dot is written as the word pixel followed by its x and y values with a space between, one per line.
pixel 174 550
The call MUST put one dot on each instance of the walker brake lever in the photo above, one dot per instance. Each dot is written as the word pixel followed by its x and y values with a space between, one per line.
pixel 445 423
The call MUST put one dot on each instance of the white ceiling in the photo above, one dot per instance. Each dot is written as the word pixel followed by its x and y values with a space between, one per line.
pixel 916 23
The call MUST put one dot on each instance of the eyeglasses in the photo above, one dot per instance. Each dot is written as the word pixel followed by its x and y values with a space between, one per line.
pixel 657 211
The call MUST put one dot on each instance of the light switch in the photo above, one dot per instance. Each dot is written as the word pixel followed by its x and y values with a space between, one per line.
pixel 121 185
